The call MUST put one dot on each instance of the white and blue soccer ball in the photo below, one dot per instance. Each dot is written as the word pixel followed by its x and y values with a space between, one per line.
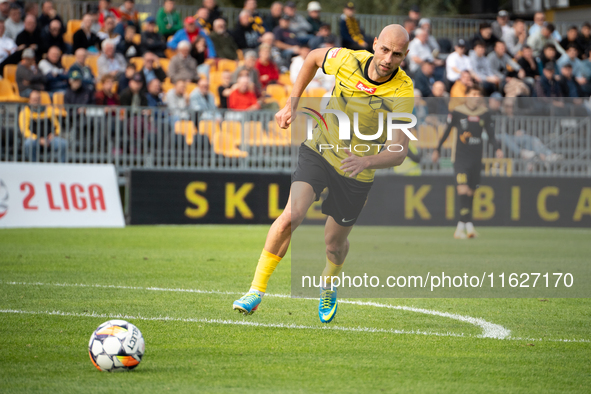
pixel 116 345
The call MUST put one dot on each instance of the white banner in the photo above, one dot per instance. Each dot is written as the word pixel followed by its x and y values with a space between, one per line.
pixel 59 195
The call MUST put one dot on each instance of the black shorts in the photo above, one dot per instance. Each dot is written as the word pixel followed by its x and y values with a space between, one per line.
pixel 346 196
pixel 468 173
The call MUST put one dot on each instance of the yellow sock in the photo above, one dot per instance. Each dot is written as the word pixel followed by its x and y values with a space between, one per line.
pixel 330 270
pixel 267 264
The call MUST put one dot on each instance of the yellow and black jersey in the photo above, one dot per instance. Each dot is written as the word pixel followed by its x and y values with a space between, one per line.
pixel 356 93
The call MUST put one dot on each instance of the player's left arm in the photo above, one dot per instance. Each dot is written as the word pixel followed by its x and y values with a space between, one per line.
pixel 490 130
pixel 393 154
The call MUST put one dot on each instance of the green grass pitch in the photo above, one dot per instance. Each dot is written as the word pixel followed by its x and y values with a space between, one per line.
pixel 210 352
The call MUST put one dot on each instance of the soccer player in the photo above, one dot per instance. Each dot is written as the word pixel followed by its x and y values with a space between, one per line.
pixel 470 120
pixel 359 76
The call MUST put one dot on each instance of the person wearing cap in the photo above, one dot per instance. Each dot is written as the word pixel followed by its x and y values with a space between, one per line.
pixel 539 20
pixel 28 76
pixel 151 40
pixel 56 77
pixel 457 61
pixel 271 21
pixel 414 14
pixel 88 77
pixel 110 62
pixel 40 126
pixel 14 24
pixel 84 37
pixel 515 38
pixel 189 33
pixel 501 26
pixel 79 95
pixel 182 65
pixel 168 19
pixel 246 34
pixel 225 46
pixel 313 17
pixel 544 36
pixel 547 86
pixel 352 35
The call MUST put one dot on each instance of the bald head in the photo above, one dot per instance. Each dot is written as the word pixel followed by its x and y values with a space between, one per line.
pixel 390 49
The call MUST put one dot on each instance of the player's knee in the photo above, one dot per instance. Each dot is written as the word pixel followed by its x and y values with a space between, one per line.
pixel 284 221
pixel 336 246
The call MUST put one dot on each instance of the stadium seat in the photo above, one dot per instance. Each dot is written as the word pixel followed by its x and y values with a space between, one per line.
pixel 284 79
pixel 137 39
pixel 10 72
pixel 316 92
pixel 58 103
pixel 92 62
pixel 227 65
pixel 7 93
pixel 498 167
pixel 45 98
pixel 167 85
pixel 278 136
pixel 67 61
pixel 186 128
pixel 240 54
pixel 138 62
pixel 208 127
pixel 169 53
pixel 72 27
pixel 190 87
pixel 277 92
pixel 164 62
pixel 222 145
pixel 254 134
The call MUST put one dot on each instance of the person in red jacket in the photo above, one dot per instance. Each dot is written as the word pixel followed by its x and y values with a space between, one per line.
pixel 269 73
pixel 242 98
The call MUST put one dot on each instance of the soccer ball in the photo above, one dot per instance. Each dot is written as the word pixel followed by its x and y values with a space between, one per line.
pixel 116 345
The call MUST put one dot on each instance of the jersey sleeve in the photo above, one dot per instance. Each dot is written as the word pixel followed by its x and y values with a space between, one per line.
pixel 452 119
pixel 334 58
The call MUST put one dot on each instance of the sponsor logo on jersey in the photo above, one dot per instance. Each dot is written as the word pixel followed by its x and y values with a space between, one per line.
pixel 364 88
pixel 473 118
pixel 334 52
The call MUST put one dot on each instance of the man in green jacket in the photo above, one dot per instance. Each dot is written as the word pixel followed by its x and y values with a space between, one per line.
pixel 168 19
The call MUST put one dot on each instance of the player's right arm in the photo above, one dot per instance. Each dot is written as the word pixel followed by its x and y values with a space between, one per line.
pixel 450 123
pixel 312 63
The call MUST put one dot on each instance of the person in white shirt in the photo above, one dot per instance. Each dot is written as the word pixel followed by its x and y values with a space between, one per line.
pixel 457 61
pixel 7 45
pixel 320 80
pixel 178 101
pixel 419 51
pixel 539 19
pixel 14 24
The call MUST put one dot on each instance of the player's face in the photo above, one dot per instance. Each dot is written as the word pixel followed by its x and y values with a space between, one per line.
pixel 474 99
pixel 388 54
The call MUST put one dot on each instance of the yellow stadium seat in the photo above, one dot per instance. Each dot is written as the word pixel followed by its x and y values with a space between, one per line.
pixel 284 79
pixel 190 87
pixel 186 128
pixel 276 91
pixel 45 98
pixel 7 93
pixel 240 54
pixel 72 27
pixel 67 61
pixel 227 65
pixel 277 135
pixel 163 63
pixel 92 63
pixel 222 145
pixel 10 72
pixel 208 127
pixel 138 62
pixel 58 98
pixel 254 134
pixel 169 53
pixel 137 39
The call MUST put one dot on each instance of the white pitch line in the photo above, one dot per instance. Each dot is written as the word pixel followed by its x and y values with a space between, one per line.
pixel 489 330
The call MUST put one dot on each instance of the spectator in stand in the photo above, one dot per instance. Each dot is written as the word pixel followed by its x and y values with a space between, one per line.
pixel 272 20
pixel 568 84
pixel 424 79
pixel 201 20
pixel 486 36
pixel 548 55
pixel 133 96
pixel 7 46
pixel 168 19
pixel 425 25
pixel 242 99
pixel 268 71
pixel 105 10
pixel 528 65
pixel 322 38
pixel 539 21
pixel 297 23
pixel 14 24
pixel 107 95
pixel 56 78
pixel 178 101
pixel 269 39
pixel 410 25
pixel 225 46
pixel 515 38
pixel 52 36
pixel 414 14
pixel 439 101
pixel 183 66
pixel 458 91
pixel 80 95
pixel 547 86
pixel 585 37
pixel 31 9
pixel 285 39
pixel 48 15
pixel 85 38
pixel 149 72
pixel 40 126
pixel 352 34
pixel 189 33
pixel 584 76
pixel 30 37
pixel 501 26
pixel 128 14
pixel 313 17
pixel 245 34
pixel 199 53
pixel 108 31
pixel 514 86
pixel 5 9
pixel 572 39
pixel 154 94
pixel 538 40
pixel 248 69
pixel 80 65
pixel 481 70
pixel 203 102
pixel 320 80
pixel 214 10
pixel 28 76
pixel 110 62
pixel 256 19
pixel 419 51
pixel 501 63
pixel 124 78
pixel 225 89
pixel 457 61
pixel 126 46
pixel 151 40
pixel 571 57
